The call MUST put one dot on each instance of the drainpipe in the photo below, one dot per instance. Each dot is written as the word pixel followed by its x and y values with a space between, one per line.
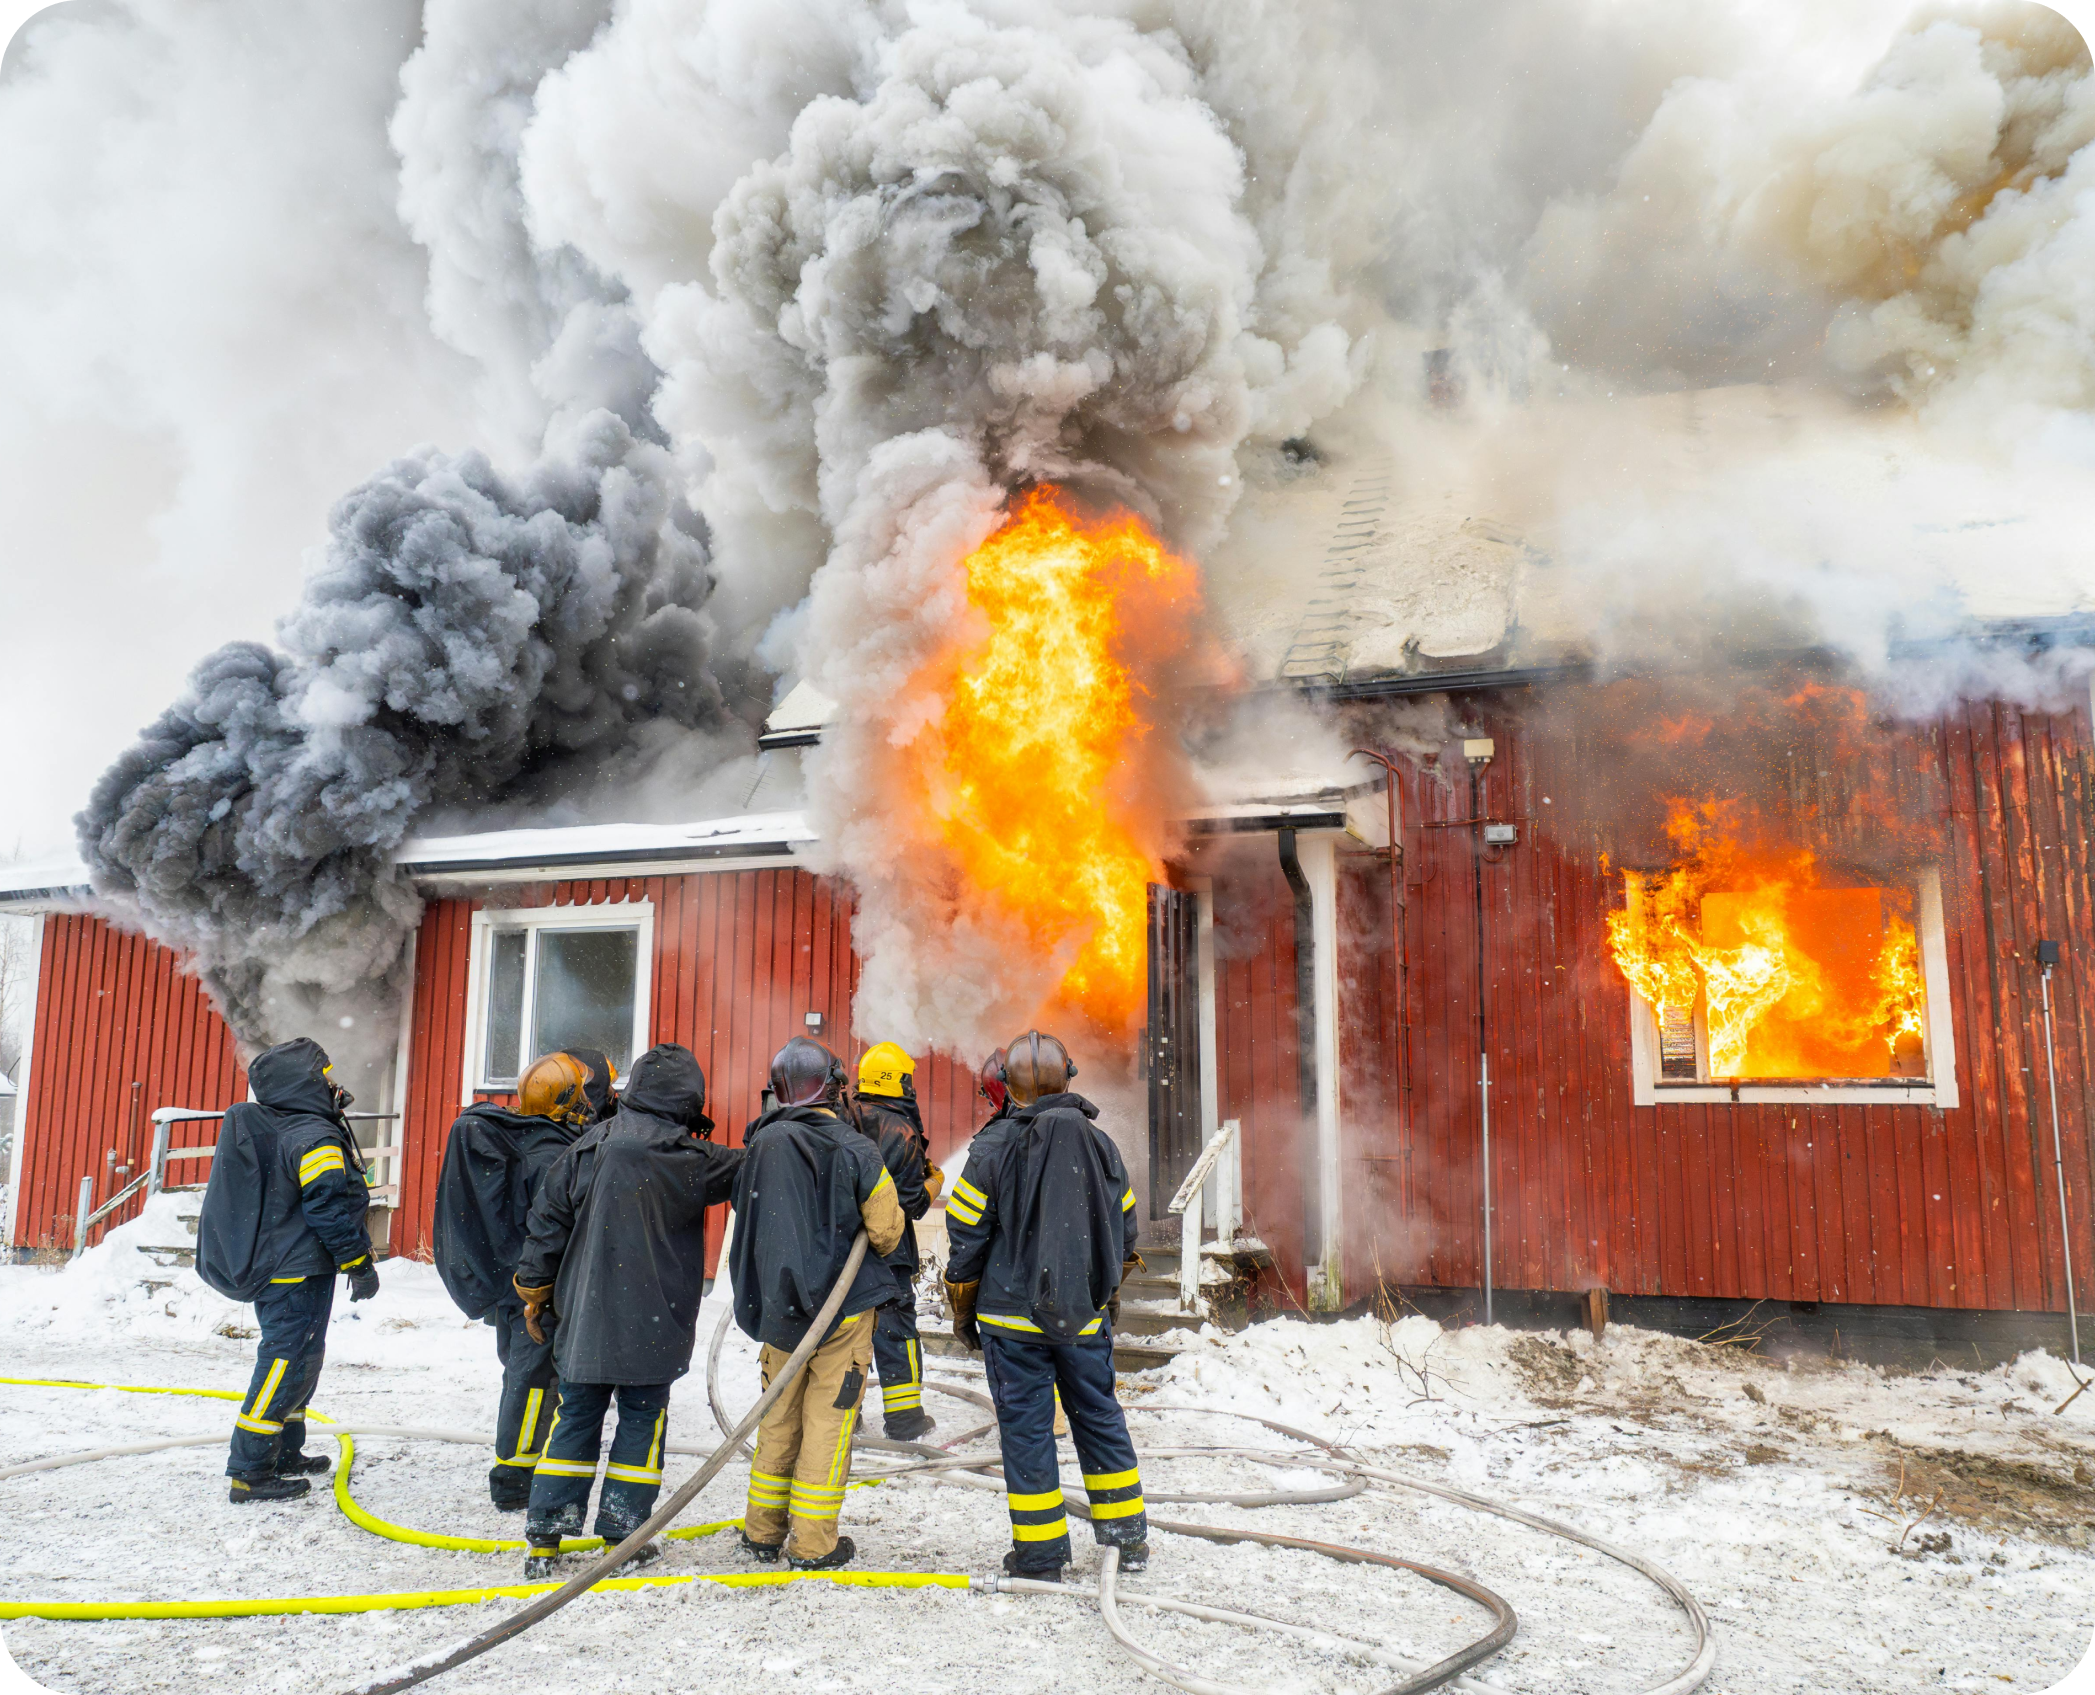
pixel 1312 872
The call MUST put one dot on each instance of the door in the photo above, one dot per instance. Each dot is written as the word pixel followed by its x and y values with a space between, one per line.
pixel 1171 1057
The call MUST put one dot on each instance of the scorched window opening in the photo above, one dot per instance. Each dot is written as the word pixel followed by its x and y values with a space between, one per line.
pixel 1829 994
pixel 553 978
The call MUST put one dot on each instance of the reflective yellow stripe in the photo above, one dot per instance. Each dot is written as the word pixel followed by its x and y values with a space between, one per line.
pixel 1116 1509
pixel 319 1161
pixel 886 1182
pixel 351 1265
pixel 1112 1479
pixel 260 1426
pixel 968 1192
pixel 840 1461
pixel 299 1279
pixel 567 1468
pixel 1127 1201
pixel 525 1448
pixel 916 1361
pixel 1002 1322
pixel 654 1448
pixel 633 1473
pixel 1040 1532
pixel 269 1387
pixel 1027 1503
pixel 958 1208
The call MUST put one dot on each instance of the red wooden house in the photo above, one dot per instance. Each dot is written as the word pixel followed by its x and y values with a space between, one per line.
pixel 1356 1013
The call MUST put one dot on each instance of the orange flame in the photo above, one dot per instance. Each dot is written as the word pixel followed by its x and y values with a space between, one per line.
pixel 1049 804
pixel 1794 978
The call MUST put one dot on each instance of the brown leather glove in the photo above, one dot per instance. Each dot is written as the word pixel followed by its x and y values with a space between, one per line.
pixel 961 1298
pixel 1128 1268
pixel 934 1183
pixel 536 1301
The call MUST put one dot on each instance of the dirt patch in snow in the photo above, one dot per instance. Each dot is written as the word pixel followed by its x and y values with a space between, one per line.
pixel 2019 1496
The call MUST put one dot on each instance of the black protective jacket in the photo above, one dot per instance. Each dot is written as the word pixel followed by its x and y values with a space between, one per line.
pixel 494 1161
pixel 618 1229
pixel 810 1181
pixel 287 1196
pixel 1044 1218
pixel 898 1132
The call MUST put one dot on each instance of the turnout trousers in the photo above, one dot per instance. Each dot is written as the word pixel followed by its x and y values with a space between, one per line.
pixel 899 1356
pixel 1024 1375
pixel 271 1426
pixel 632 1478
pixel 530 1396
pixel 803 1457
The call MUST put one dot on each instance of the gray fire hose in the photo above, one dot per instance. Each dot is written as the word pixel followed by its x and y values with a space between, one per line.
pixel 612 1558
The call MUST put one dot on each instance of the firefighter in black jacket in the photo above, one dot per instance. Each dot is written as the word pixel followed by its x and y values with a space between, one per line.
pixel 494 1160
pixel 1042 1227
pixel 810 1181
pixel 283 1214
pixel 616 1253
pixel 887 1112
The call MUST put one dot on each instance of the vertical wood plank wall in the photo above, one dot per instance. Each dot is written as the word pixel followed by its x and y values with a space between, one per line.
pixel 1894 1204
pixel 113 1009
pixel 741 958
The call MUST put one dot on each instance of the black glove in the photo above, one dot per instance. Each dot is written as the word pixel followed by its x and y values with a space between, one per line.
pixel 363 1280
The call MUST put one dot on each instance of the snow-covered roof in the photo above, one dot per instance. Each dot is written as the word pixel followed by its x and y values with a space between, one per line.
pixel 513 854
pixel 797 721
pixel 34 883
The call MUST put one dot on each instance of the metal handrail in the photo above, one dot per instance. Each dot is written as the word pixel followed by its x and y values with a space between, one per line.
pixel 1225 1174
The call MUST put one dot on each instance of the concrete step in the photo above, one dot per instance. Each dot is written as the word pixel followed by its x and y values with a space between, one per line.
pixel 1127 1356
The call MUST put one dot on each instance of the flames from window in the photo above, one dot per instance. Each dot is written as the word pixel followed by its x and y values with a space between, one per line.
pixel 1046 736
pixel 1794 974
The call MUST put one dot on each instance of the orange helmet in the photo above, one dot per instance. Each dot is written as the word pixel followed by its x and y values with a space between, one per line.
pixel 556 1086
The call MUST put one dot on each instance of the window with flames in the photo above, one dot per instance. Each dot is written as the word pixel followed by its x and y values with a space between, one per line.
pixel 1778 977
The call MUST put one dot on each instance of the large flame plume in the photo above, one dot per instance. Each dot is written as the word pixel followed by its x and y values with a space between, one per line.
pixel 1794 976
pixel 1048 739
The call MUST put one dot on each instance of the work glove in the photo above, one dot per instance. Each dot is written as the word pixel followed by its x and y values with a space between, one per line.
pixel 961 1298
pixel 934 1183
pixel 363 1280
pixel 1128 1268
pixel 535 1301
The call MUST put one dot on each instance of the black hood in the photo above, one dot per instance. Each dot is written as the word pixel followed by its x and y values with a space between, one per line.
pixel 597 1091
pixel 1048 1103
pixel 292 1078
pixel 666 1082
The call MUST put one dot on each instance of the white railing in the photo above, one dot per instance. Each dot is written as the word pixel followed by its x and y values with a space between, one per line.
pixel 1212 1194
pixel 154 1178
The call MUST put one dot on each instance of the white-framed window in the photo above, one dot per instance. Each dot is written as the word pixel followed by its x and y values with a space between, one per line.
pixel 1671 1057
pixel 545 978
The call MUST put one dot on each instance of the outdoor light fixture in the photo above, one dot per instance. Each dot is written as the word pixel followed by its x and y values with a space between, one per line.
pixel 814 1024
pixel 1479 749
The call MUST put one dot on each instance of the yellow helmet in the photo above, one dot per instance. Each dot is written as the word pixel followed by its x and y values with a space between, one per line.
pixel 556 1087
pixel 886 1070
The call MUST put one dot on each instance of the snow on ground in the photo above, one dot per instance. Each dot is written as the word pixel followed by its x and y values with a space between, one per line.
pixel 1781 1495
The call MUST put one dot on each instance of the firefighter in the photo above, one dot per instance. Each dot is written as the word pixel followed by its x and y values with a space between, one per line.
pixel 615 1264
pixel 283 1214
pixel 494 1160
pixel 887 1112
pixel 989 1084
pixel 1042 1230
pixel 810 1181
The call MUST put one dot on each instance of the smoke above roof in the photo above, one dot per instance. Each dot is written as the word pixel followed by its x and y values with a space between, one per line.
pixel 841 275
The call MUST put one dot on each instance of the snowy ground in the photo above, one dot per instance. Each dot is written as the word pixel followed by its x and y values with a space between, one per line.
pixel 1775 1493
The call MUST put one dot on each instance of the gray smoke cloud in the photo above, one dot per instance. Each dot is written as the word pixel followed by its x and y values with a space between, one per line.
pixel 465 637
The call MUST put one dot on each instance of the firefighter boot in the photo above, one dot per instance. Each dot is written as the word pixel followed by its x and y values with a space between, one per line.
pixel 767 1552
pixel 303 1465
pixel 909 1425
pixel 615 1526
pixel 268 1489
pixel 840 1555
pixel 1042 1573
pixel 543 1533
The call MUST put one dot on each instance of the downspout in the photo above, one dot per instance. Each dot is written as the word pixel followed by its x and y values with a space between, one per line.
pixel 1306 1056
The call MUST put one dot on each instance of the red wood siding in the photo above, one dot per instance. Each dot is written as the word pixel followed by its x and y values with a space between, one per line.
pixel 1894 1204
pixel 113 1010
pixel 740 959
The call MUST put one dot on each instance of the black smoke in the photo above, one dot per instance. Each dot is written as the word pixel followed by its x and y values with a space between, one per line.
pixel 466 638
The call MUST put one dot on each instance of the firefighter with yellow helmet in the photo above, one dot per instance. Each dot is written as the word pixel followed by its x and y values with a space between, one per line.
pixel 888 1114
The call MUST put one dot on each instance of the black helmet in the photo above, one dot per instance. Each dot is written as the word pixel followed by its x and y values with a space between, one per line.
pixel 805 1073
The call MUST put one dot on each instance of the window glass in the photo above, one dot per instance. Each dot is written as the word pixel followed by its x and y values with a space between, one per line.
pixel 583 997
pixel 505 1005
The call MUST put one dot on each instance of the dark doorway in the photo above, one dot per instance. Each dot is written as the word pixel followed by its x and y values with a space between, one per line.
pixel 1172 1038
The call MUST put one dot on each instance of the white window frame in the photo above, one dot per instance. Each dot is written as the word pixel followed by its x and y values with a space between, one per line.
pixel 1939 1047
pixel 637 915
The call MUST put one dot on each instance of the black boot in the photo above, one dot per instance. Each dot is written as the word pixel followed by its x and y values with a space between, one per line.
pixel 544 1531
pixel 1135 1559
pixel 303 1465
pixel 1043 1573
pixel 541 1563
pixel 767 1552
pixel 909 1425
pixel 268 1489
pixel 840 1555
pixel 509 1487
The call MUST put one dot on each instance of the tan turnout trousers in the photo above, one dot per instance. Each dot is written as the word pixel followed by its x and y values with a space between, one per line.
pixel 803 1458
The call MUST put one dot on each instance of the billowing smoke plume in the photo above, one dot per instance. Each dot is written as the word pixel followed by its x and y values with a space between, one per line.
pixel 464 637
